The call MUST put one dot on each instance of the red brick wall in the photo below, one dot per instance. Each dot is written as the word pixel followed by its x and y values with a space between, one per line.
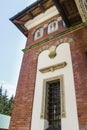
pixel 22 112
pixel 31 41
pixel 80 74
pixel 21 116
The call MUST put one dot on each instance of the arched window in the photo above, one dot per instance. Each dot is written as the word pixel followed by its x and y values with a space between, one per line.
pixel 52 26
pixel 38 33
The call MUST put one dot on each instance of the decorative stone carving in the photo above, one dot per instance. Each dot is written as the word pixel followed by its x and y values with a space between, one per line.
pixel 52 51
pixel 53 67
pixel 82 8
pixel 65 40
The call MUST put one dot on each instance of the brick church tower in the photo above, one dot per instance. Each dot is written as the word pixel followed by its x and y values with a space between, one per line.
pixel 52 87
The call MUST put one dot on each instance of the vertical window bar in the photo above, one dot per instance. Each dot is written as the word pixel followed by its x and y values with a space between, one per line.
pixel 54 106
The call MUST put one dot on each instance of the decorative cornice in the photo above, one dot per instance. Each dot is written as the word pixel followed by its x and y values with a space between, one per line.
pixel 69 30
pixel 52 48
pixel 53 67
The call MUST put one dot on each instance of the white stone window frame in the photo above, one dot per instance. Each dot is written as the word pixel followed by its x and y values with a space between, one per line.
pixel 39 30
pixel 44 96
pixel 49 30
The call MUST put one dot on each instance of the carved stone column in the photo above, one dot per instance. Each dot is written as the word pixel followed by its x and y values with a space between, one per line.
pixel 82 8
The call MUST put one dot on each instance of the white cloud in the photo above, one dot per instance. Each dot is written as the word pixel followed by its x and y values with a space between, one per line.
pixel 11 89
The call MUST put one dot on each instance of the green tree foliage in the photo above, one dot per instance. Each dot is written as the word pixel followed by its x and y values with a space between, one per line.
pixel 6 104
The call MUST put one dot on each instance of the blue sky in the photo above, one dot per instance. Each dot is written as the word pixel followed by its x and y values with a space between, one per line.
pixel 12 41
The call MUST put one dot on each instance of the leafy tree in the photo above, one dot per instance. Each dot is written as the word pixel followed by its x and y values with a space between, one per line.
pixel 1 100
pixel 6 104
pixel 0 92
pixel 10 105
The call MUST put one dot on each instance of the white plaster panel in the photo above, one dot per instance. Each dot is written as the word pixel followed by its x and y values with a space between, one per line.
pixel 41 18
pixel 70 122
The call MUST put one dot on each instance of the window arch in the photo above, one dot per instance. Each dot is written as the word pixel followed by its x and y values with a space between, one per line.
pixel 38 33
pixel 52 26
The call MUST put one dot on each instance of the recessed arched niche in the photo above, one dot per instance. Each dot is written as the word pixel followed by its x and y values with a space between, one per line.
pixel 38 33
pixel 52 26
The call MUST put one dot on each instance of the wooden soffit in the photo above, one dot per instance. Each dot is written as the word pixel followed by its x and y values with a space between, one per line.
pixel 66 8
pixel 38 7
pixel 69 12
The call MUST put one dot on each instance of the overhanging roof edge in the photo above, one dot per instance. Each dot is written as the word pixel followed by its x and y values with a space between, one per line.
pixel 26 9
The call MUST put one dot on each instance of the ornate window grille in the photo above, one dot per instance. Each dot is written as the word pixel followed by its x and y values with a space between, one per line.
pixel 58 81
pixel 53 105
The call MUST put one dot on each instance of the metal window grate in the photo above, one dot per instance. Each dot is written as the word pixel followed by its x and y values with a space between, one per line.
pixel 54 106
